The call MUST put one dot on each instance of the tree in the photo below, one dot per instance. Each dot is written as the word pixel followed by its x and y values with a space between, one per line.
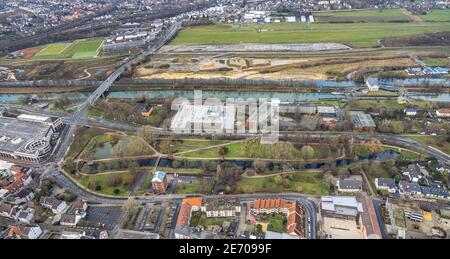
pixel 113 139
pixel 307 152
pixel 223 150
pixel 259 228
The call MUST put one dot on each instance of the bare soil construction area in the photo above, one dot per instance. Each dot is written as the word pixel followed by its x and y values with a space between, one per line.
pixel 208 62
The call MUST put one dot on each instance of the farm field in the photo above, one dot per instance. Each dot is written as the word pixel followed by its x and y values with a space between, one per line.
pixel 358 35
pixel 382 15
pixel 76 50
pixel 437 15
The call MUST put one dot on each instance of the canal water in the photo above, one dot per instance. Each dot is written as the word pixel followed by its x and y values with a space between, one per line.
pixel 223 95
pixel 244 164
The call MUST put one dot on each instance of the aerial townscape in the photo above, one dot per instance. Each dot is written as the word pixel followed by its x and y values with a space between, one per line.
pixel 225 119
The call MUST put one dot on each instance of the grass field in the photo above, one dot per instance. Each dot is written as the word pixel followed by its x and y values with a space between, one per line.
pixel 102 180
pixel 301 182
pixel 382 15
pixel 437 15
pixel 354 34
pixel 76 50
pixel 436 61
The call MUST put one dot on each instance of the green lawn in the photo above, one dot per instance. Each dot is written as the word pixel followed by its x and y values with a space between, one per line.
pixel 101 180
pixel 439 142
pixel 234 150
pixel 374 104
pixel 101 148
pixel 354 34
pixel 276 222
pixel 436 61
pixel 190 144
pixel 303 182
pixel 189 171
pixel 199 218
pixel 437 15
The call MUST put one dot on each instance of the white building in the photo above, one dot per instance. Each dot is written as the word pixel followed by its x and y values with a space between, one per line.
pixel 372 84
pixel 291 19
pixel 54 204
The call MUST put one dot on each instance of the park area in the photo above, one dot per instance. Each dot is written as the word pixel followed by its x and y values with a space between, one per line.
pixel 301 182
pixel 357 35
pixel 88 48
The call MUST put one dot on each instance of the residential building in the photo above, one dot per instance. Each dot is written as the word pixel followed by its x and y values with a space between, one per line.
pixel 24 232
pixel 292 209
pixel 443 113
pixel 385 184
pixel 182 229
pixel 409 188
pixel 349 185
pixel 25 216
pixel 434 192
pixel 24 195
pixel 221 207
pixel 410 111
pixel 54 204
pixel 6 210
pixel 159 182
pixel 413 172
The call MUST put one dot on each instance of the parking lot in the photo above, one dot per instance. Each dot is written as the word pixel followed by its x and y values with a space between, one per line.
pixel 106 217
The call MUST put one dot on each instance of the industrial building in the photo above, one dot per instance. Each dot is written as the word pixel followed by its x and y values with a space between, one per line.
pixel 362 121
pixel 27 137
pixel 204 117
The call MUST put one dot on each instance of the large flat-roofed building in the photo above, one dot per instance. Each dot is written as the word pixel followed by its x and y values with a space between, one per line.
pixel 346 207
pixel 204 117
pixel 27 137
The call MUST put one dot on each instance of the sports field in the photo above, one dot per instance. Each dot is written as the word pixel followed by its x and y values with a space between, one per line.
pixel 53 49
pixel 357 35
pixel 78 49
pixel 437 15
